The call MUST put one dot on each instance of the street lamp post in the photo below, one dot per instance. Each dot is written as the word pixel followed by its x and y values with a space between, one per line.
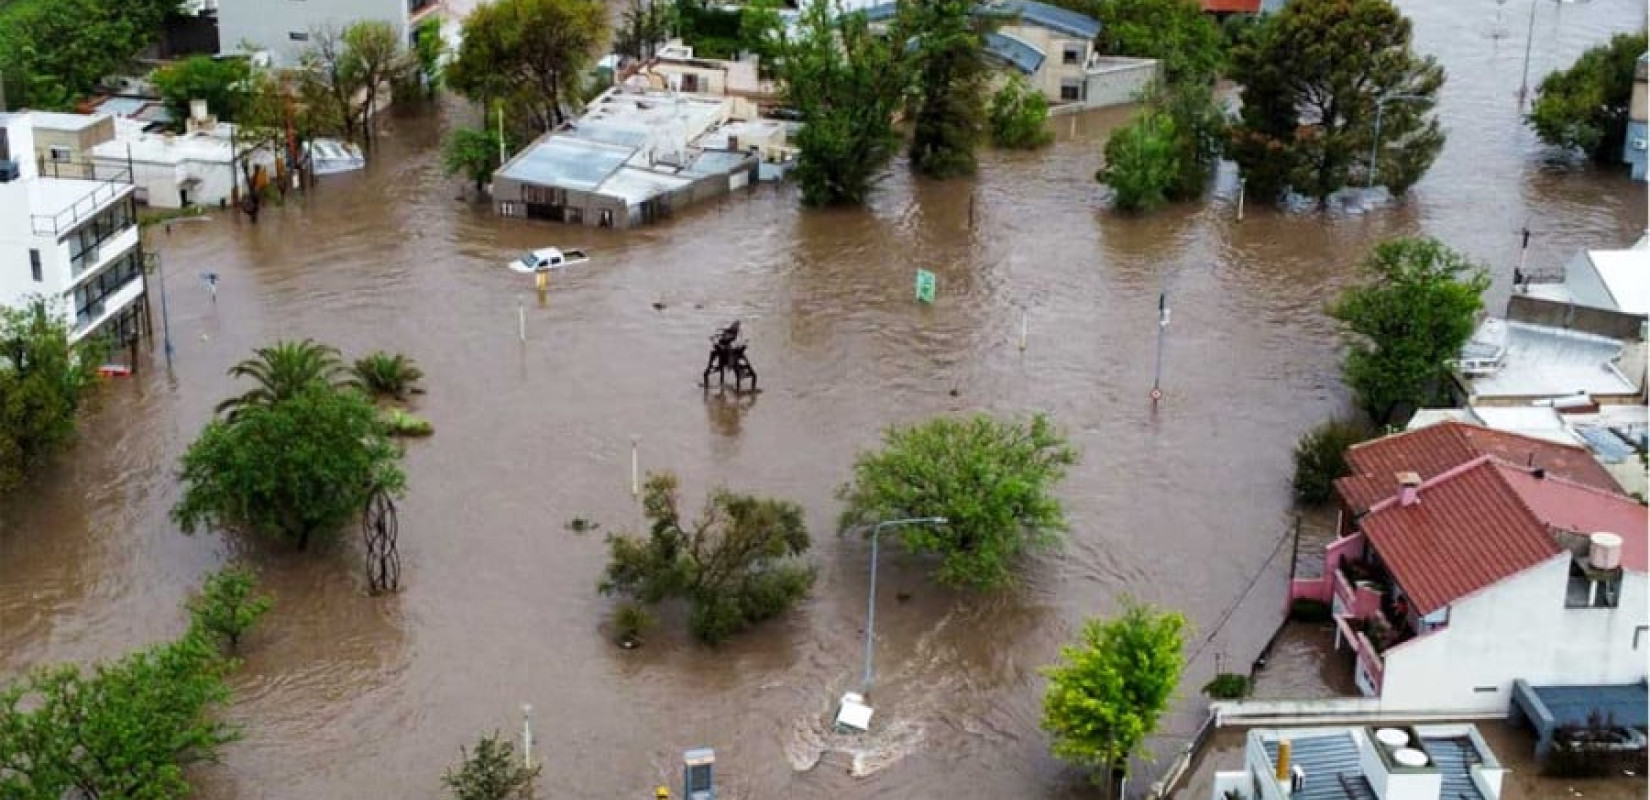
pixel 1529 38
pixel 1375 146
pixel 871 605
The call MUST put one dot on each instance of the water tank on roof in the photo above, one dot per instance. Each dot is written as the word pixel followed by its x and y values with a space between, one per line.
pixel 1604 551
pixel 1393 738
pixel 1409 757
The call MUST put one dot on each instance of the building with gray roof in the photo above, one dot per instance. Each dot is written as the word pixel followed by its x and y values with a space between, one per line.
pixel 1396 762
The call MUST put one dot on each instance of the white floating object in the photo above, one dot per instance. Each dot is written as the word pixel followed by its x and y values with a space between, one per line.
pixel 854 713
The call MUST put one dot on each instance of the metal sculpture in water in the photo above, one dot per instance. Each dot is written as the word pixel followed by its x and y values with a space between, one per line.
pixel 380 526
pixel 727 353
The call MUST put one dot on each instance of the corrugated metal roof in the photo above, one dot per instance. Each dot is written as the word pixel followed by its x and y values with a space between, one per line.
pixel 1454 756
pixel 1016 53
pixel 1573 704
pixel 567 162
pixel 1331 766
pixel 1558 503
pixel 1041 14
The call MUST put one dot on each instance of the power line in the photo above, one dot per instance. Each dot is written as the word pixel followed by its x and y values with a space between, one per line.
pixel 1227 616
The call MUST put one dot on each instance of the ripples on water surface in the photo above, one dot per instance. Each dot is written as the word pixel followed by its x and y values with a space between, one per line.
pixel 344 696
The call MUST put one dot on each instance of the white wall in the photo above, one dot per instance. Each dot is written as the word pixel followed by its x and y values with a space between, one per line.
pixel 1519 628
pixel 1585 285
pixel 269 24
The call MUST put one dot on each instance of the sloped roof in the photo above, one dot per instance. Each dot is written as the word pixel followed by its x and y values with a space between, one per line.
pixel 1231 6
pixel 1029 11
pixel 1486 521
pixel 1468 531
pixel 1016 53
pixel 1435 449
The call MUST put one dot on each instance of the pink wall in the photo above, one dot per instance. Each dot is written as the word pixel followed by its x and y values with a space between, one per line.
pixel 1323 588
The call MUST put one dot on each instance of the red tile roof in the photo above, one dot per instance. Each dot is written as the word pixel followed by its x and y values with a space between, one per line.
pixel 1582 509
pixel 1486 521
pixel 1231 6
pixel 1435 449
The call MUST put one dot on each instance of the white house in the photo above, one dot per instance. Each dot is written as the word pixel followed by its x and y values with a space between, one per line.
pixel 201 166
pixel 1397 762
pixel 283 28
pixel 70 241
pixel 1617 280
pixel 1471 559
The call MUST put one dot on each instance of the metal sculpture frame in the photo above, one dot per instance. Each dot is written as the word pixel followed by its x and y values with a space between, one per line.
pixel 380 527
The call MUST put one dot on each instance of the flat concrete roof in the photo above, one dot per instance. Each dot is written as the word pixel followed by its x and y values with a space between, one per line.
pixel 155 148
pixel 53 198
pixel 55 121
pixel 1626 276
pixel 1542 362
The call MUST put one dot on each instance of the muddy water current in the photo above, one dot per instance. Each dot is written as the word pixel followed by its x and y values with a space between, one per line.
pixel 345 696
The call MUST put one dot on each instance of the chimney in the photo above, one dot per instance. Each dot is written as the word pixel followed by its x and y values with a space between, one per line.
pixel 1281 774
pixel 1539 473
pixel 1409 486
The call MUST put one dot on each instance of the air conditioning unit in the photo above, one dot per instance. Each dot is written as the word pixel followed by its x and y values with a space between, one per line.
pixel 9 171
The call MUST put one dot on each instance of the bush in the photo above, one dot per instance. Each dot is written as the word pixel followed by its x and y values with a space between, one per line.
pixel 1019 116
pixel 1308 610
pixel 1141 162
pixel 1320 458
pixel 630 621
pixel 492 771
pixel 400 423
pixel 1228 686
pixel 227 606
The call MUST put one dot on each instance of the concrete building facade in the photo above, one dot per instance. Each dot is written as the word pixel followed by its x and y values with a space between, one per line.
pixel 63 142
pixel 72 242
pixel 1636 149
pixel 284 28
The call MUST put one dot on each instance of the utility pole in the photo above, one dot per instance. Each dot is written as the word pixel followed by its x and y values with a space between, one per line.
pixel 1162 327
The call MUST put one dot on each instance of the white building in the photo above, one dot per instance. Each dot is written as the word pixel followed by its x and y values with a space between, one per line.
pixel 1398 762
pixel 201 166
pixel 71 241
pixel 283 28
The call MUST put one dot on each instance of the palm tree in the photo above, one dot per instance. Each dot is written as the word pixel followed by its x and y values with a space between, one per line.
pixel 283 368
pixel 383 374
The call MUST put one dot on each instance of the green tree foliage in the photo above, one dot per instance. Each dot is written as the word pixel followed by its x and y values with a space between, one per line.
pixel 1168 152
pixel 1585 107
pixel 529 54
pixel 44 382
pixel 124 729
pixel 428 48
pixel 711 29
pixel 643 26
pixel 473 153
pixel 1320 458
pixel 299 468
pixel 735 565
pixel 1407 323
pixel 388 375
pixel 281 370
pixel 491 771
pixel 1019 116
pixel 1108 691
pixel 54 52
pixel 228 605
pixel 992 480
pixel 948 88
pixel 1141 162
pixel 221 82
pixel 1176 32
pixel 346 70
pixel 1312 75
pixel 846 82
pixel 762 32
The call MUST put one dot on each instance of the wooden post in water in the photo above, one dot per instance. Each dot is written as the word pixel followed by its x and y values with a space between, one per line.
pixel 521 321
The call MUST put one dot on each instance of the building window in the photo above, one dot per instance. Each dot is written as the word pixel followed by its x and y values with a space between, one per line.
pixel 1591 588
pixel 1071 90
pixel 89 296
pixel 34 265
pixel 298 36
pixel 58 154
pixel 84 241
pixel 1073 54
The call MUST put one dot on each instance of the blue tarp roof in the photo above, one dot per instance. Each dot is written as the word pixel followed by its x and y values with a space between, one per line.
pixel 1020 55
pixel 1042 14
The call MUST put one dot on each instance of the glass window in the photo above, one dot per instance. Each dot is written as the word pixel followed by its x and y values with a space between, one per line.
pixel 1073 54
pixel 298 36
pixel 1071 90
pixel 34 265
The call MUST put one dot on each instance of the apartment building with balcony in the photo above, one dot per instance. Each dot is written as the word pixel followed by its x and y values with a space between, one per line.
pixel 283 28
pixel 1470 560
pixel 71 241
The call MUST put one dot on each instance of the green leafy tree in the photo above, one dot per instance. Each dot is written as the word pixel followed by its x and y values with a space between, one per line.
pixel 228 605
pixel 530 54
pixel 1019 116
pixel 991 480
pixel 388 375
pixel 735 565
pixel 762 32
pixel 1176 32
pixel 1320 458
pixel 281 370
pixel 1142 165
pixel 1407 323
pixel 846 82
pixel 1313 75
pixel 1585 107
pixel 299 468
pixel 1199 134
pixel 221 82
pixel 428 48
pixel 948 88
pixel 473 153
pixel 44 382
pixel 642 27
pixel 347 69
pixel 124 729
pixel 491 771
pixel 1109 690
pixel 54 52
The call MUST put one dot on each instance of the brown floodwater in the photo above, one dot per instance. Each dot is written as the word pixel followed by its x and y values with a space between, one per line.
pixel 346 696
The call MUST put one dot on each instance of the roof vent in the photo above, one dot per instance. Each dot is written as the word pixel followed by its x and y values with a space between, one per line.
pixel 1409 485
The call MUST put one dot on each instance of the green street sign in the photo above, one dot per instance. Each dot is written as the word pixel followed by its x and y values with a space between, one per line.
pixel 925 286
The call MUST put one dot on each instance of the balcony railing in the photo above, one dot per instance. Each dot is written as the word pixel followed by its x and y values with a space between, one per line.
pixel 106 190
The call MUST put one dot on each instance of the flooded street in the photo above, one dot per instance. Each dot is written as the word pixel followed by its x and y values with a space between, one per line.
pixel 348 696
